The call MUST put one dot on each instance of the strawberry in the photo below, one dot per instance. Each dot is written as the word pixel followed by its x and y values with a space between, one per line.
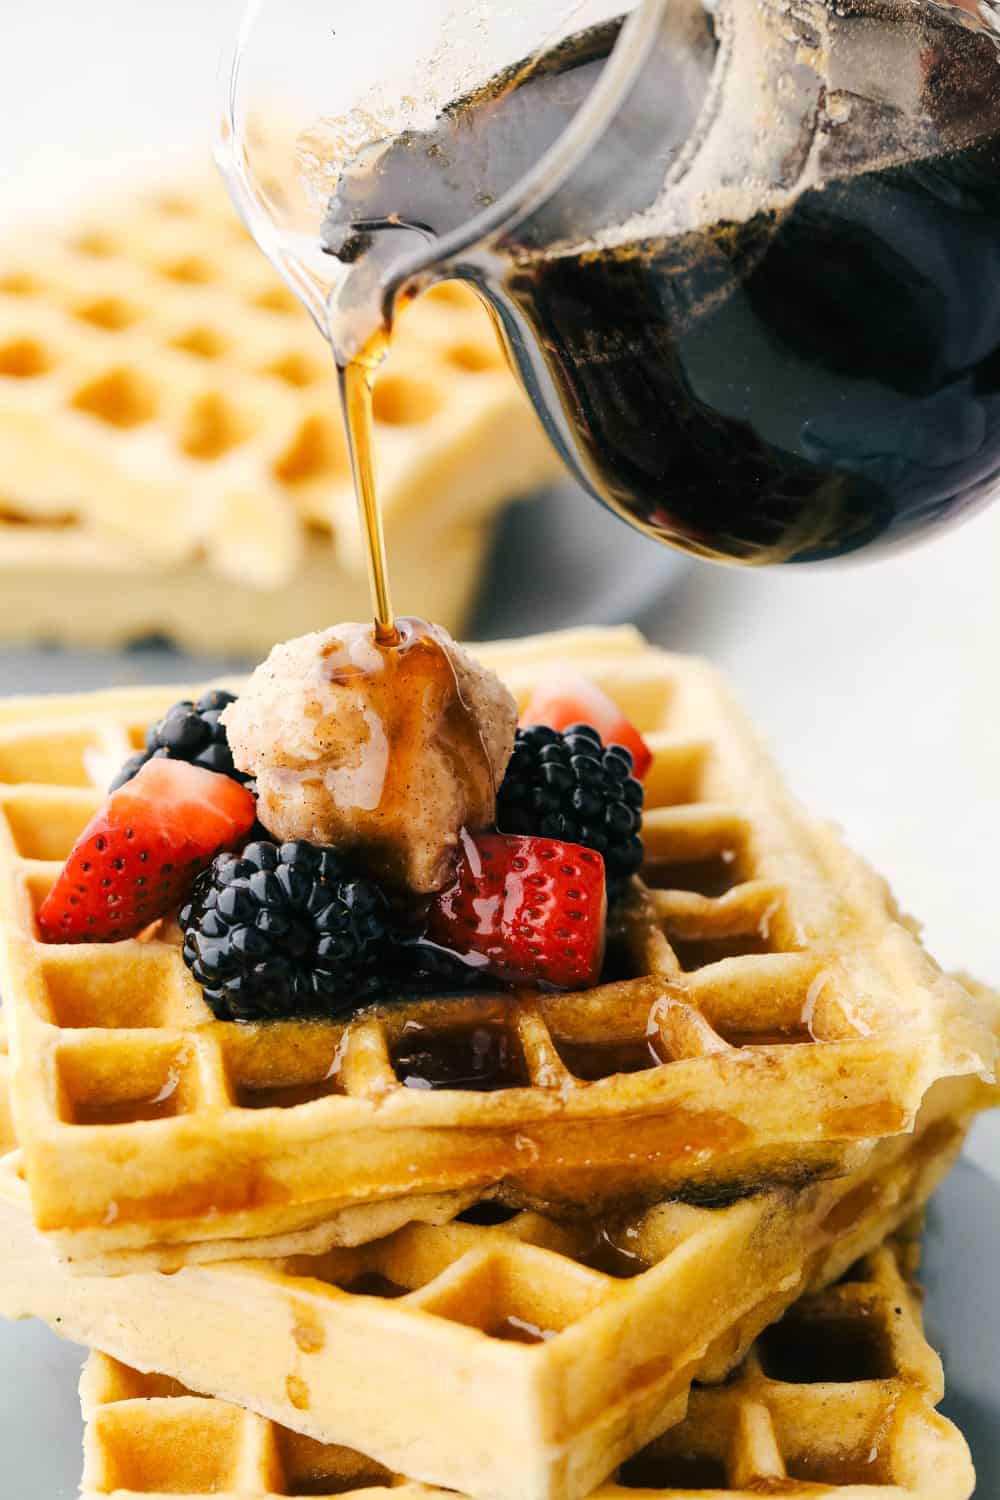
pixel 533 908
pixel 138 856
pixel 564 697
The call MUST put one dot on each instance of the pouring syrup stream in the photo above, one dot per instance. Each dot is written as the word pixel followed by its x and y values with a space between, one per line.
pixel 357 380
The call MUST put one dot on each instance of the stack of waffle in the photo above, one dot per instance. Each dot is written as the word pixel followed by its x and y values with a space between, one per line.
pixel 171 453
pixel 656 1236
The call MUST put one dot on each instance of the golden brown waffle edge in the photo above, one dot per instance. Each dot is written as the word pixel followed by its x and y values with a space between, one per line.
pixel 585 1336
pixel 840 1394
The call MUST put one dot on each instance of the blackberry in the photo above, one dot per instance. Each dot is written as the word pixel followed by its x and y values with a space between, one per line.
pixel 283 930
pixel 188 731
pixel 413 965
pixel 569 785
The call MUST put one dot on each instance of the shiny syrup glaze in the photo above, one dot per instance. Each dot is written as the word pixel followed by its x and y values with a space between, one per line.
pixel 410 685
pixel 515 1330
pixel 482 1058
pixel 284 1096
pixel 121 1112
pixel 357 381
pixel 591 1061
pixel 103 1111
pixel 697 953
pixel 612 1253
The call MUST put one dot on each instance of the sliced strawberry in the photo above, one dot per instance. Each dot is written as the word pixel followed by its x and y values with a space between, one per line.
pixel 533 908
pixel 564 697
pixel 138 856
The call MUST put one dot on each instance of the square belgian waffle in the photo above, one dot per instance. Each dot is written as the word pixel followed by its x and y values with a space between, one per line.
pixel 171 449
pixel 837 1400
pixel 554 1350
pixel 770 1016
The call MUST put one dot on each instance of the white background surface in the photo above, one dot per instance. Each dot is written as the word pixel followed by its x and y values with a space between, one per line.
pixel 876 684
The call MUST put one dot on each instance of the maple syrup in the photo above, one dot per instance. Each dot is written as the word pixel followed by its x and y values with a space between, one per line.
pixel 591 1061
pixel 357 379
pixel 612 1255
pixel 697 953
pixel 412 686
pixel 712 876
pixel 123 1112
pixel 790 385
pixel 413 703
pixel 517 1330
pixel 479 1058
pixel 284 1096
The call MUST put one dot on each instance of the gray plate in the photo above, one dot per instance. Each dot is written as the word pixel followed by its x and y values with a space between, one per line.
pixel 556 561
pixel 40 1424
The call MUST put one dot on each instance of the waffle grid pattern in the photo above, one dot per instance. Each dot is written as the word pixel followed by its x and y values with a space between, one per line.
pixel 837 1399
pixel 166 403
pixel 696 1076
pixel 585 1337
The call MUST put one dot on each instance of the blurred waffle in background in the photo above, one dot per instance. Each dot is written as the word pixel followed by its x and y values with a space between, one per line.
pixel 172 459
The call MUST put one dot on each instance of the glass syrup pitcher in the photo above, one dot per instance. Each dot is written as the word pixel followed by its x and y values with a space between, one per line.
pixel 744 254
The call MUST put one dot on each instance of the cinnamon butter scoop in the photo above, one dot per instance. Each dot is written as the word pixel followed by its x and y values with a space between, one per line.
pixel 388 750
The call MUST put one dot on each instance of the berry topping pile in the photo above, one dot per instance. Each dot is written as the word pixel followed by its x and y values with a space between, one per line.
pixel 274 928
pixel 283 929
pixel 190 732
pixel 137 857
pixel 533 909
pixel 571 786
